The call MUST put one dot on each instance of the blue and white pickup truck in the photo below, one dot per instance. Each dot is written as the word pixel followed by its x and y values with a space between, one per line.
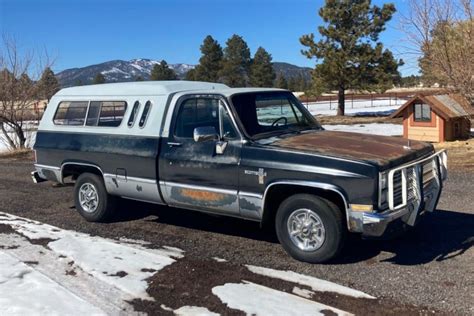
pixel 251 153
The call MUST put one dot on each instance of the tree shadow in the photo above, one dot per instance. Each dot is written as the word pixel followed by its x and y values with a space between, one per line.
pixel 439 236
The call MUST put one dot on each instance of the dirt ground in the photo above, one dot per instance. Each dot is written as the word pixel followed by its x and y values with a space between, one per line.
pixel 430 269
pixel 347 120
pixel 461 153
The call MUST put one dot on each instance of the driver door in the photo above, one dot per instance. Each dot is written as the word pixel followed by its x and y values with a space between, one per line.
pixel 201 175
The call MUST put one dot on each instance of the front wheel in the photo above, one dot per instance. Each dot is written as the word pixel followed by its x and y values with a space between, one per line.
pixel 310 228
pixel 91 198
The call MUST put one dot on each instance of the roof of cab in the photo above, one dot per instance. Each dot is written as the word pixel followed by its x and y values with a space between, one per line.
pixel 140 88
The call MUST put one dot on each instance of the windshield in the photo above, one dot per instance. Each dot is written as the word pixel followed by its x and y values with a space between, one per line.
pixel 272 112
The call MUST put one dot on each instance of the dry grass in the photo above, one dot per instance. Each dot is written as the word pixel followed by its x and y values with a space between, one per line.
pixel 460 153
pixel 19 154
pixel 333 120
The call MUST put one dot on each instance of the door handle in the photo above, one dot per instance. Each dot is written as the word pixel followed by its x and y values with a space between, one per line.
pixel 174 144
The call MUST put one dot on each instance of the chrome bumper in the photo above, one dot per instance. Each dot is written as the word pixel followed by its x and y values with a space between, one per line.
pixel 423 197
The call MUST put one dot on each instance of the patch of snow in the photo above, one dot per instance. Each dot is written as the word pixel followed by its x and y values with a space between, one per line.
pixel 371 128
pixel 194 311
pixel 118 264
pixel 25 291
pixel 113 70
pixel 302 292
pixel 219 259
pixel 166 308
pixel 254 299
pixel 312 282
pixel 380 106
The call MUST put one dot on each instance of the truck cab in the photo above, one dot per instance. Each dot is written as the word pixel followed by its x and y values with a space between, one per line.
pixel 251 153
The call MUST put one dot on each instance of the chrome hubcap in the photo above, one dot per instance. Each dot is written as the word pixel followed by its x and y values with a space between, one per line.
pixel 306 229
pixel 88 197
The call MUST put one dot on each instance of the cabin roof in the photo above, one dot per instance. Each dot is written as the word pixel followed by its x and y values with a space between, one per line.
pixel 448 106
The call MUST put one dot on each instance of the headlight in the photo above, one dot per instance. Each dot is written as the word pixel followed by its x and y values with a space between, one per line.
pixel 383 180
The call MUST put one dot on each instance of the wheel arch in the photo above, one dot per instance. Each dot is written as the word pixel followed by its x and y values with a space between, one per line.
pixel 75 168
pixel 278 191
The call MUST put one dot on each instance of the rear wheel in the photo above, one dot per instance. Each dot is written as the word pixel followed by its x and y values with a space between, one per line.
pixel 310 228
pixel 91 198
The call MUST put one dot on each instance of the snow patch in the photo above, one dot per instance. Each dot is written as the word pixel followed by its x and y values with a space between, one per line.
pixel 25 291
pixel 123 265
pixel 312 282
pixel 194 311
pixel 254 299
pixel 303 292
pixel 371 128
pixel 219 259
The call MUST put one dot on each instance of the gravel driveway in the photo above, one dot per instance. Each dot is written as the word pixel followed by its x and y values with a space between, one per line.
pixel 428 269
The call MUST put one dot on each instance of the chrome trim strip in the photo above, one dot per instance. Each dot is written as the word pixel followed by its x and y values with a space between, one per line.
pixel 134 179
pixel 47 167
pixel 251 194
pixel 198 187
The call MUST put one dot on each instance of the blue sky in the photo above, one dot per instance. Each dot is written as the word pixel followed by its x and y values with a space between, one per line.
pixel 80 33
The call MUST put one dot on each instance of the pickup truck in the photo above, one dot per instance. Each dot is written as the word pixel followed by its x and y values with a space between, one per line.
pixel 251 153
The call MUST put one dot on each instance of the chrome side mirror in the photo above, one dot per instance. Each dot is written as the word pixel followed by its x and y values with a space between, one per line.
pixel 205 133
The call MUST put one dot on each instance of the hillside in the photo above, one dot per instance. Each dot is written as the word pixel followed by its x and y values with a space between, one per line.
pixel 121 70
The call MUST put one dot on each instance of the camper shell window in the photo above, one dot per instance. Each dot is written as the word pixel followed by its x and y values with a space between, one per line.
pixel 106 113
pixel 71 113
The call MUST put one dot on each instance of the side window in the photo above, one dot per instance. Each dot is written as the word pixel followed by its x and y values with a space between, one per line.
pixel 133 114
pixel 106 113
pixel 422 112
pixel 71 113
pixel 144 116
pixel 196 113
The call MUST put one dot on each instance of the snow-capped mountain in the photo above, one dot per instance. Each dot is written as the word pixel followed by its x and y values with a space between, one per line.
pixel 116 71
pixel 122 70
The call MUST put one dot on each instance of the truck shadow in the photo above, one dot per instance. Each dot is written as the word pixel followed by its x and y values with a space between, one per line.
pixel 440 236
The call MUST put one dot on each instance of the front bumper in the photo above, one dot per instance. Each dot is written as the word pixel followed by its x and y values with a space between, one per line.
pixel 424 198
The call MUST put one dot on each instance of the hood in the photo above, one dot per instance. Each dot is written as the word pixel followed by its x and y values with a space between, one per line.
pixel 383 151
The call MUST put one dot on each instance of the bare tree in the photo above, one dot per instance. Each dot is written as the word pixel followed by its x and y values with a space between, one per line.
pixel 19 72
pixel 441 34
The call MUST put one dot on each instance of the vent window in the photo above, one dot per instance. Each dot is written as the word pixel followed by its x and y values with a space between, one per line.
pixel 133 114
pixel 146 111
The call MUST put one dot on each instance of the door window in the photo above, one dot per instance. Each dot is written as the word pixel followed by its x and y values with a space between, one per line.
pixel 196 113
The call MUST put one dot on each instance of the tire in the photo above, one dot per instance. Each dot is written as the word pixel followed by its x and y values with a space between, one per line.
pixel 321 244
pixel 91 198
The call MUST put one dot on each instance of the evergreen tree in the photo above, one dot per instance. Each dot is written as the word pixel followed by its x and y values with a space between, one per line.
pixel 191 75
pixel 210 61
pixel 349 54
pixel 261 70
pixel 99 78
pixel 293 84
pixel 139 78
pixel 281 82
pixel 162 71
pixel 48 85
pixel 236 62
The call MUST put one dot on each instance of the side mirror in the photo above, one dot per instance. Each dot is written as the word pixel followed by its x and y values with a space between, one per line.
pixel 205 133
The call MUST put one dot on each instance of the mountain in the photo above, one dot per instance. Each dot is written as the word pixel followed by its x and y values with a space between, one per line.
pixel 121 70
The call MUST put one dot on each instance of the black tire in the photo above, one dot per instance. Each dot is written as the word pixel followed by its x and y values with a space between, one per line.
pixel 332 220
pixel 104 209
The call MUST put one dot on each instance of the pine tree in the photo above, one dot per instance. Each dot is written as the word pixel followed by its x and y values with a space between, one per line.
pixel 99 79
pixel 236 62
pixel 210 61
pixel 162 71
pixel 261 70
pixel 292 84
pixel 48 85
pixel 349 54
pixel 191 75
pixel 281 82
pixel 139 78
